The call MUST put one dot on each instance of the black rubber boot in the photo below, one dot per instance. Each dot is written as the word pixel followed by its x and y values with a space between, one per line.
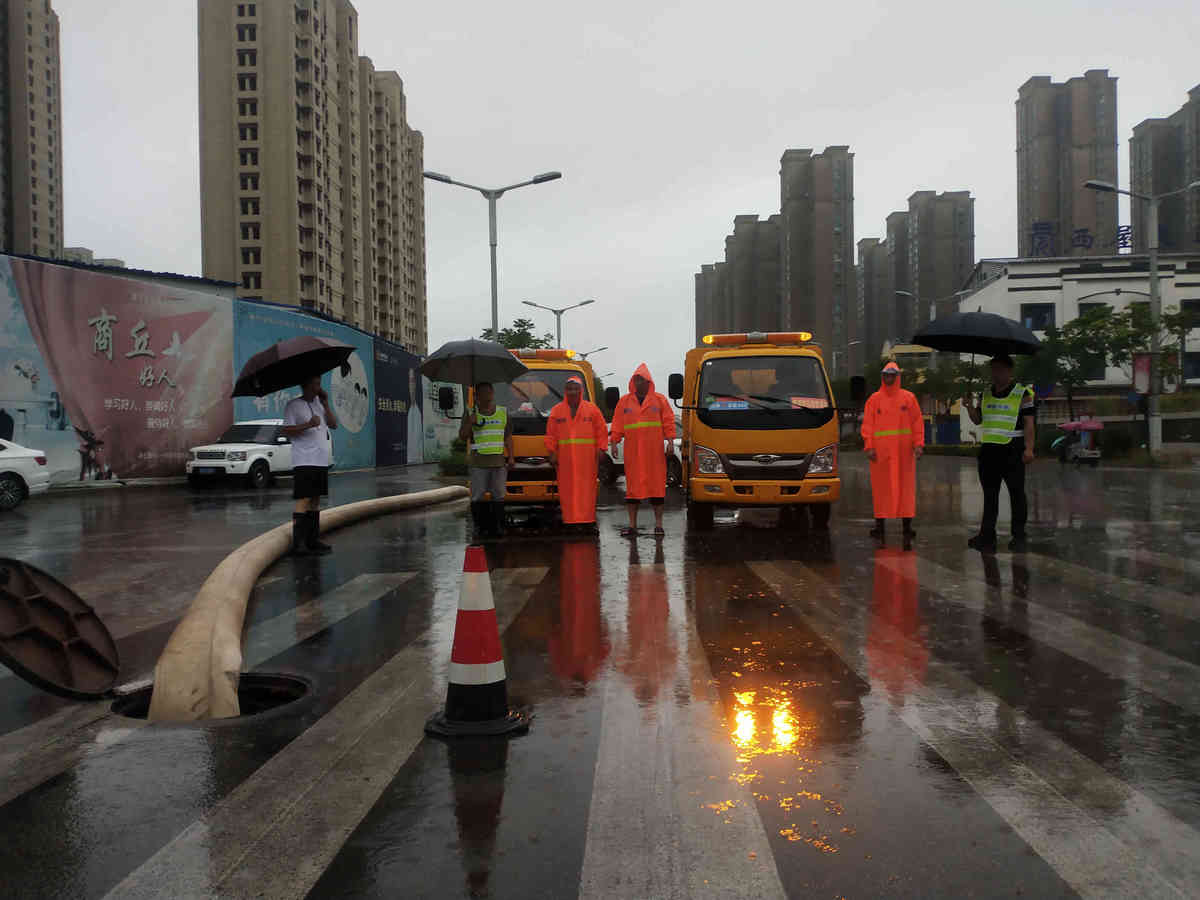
pixel 300 535
pixel 498 518
pixel 877 531
pixel 315 546
pixel 478 519
pixel 982 543
pixel 908 529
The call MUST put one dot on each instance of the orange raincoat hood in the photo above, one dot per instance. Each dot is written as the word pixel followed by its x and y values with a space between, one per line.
pixel 644 371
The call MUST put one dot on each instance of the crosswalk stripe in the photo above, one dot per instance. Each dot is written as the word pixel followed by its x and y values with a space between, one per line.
pixel 1163 560
pixel 1162 599
pixel 270 837
pixel 1054 799
pixel 1160 674
pixel 650 832
pixel 37 752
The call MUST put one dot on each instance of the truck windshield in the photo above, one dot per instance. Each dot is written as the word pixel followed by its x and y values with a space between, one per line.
pixel 763 392
pixel 530 398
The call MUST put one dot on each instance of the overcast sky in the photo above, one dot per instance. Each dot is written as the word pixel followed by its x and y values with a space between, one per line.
pixel 666 119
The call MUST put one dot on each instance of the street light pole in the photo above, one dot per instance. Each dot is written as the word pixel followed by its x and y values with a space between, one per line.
pixel 1153 415
pixel 590 352
pixel 558 314
pixel 492 195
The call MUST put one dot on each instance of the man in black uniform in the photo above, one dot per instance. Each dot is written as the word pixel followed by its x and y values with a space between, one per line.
pixel 1006 448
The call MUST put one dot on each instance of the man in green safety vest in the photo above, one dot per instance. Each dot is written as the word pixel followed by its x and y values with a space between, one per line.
pixel 487 427
pixel 1006 415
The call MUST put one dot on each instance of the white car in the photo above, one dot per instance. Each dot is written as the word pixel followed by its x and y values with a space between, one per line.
pixel 614 466
pixel 23 473
pixel 255 450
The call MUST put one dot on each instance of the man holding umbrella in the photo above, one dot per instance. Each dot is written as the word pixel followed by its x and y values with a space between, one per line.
pixel 307 420
pixel 487 427
pixel 1007 416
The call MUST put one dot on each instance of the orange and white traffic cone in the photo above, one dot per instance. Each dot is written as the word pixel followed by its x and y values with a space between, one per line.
pixel 477 696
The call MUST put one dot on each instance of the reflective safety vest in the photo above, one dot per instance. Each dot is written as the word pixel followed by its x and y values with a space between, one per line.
pixel 1000 415
pixel 487 432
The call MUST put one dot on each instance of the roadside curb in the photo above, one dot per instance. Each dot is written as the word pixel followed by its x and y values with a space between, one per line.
pixel 196 676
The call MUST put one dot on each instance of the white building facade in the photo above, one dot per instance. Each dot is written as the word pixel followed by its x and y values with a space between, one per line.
pixel 1044 292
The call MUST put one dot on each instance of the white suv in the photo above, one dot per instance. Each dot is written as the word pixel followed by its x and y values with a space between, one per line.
pixel 255 450
pixel 23 473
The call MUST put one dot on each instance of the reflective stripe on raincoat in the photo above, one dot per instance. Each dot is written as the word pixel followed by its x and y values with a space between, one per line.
pixel 644 426
pixel 577 439
pixel 892 425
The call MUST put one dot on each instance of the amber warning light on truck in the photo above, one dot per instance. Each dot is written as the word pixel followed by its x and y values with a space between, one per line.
pixel 756 337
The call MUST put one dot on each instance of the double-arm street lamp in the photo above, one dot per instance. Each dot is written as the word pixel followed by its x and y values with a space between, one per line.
pixel 492 195
pixel 558 314
pixel 933 304
pixel 590 352
pixel 1153 415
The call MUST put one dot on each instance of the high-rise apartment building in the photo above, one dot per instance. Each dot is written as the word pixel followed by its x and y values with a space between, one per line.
pixel 308 167
pixel 1066 135
pixel 742 293
pixel 877 302
pixel 941 249
pixel 817 251
pixel 1164 156
pixel 31 202
pixel 904 311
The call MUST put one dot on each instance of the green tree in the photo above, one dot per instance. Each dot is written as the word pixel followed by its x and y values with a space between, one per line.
pixel 520 336
pixel 1077 353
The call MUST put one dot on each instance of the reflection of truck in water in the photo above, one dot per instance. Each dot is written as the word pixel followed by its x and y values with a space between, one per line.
pixel 759 427
pixel 529 400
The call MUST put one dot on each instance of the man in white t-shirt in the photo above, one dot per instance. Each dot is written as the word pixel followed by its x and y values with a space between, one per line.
pixel 307 421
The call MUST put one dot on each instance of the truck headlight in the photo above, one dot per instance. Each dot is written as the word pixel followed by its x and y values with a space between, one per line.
pixel 236 456
pixel 824 461
pixel 708 462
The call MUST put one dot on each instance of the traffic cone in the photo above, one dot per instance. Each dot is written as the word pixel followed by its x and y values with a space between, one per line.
pixel 477 696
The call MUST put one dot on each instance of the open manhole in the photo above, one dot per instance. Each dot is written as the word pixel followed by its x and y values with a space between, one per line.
pixel 258 694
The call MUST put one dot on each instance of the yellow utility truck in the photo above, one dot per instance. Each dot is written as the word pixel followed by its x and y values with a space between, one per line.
pixel 759 427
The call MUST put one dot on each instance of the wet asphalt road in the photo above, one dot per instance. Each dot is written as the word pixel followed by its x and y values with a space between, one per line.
pixel 750 712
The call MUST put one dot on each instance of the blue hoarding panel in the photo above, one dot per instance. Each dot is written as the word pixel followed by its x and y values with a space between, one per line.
pixel 258 325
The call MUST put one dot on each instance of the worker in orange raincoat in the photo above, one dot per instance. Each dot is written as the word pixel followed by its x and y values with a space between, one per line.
pixel 645 421
pixel 893 433
pixel 576 438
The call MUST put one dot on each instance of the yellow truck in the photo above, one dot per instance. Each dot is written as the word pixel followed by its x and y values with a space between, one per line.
pixel 759 427
pixel 529 400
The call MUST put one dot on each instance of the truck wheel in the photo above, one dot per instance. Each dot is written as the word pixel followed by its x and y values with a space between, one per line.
pixel 608 471
pixel 820 515
pixel 700 516
pixel 259 476
pixel 674 472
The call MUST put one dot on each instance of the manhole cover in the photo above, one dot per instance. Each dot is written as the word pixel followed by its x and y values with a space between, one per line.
pixel 50 637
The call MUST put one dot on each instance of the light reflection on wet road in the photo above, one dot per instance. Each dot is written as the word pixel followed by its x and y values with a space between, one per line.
pixel 748 712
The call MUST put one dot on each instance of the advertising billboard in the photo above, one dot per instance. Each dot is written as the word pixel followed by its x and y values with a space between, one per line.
pixel 398 433
pixel 259 325
pixel 111 377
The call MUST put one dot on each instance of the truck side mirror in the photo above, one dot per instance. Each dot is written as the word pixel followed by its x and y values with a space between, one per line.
pixel 675 386
pixel 858 391
pixel 446 399
pixel 612 397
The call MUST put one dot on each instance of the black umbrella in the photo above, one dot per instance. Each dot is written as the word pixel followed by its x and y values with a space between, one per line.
pixel 288 363
pixel 471 361
pixel 977 332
